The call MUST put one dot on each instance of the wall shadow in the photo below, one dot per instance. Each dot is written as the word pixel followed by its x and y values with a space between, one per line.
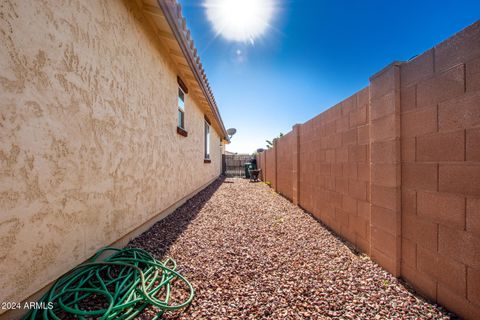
pixel 357 252
pixel 158 239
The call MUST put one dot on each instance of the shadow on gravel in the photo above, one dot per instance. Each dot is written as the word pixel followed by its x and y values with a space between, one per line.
pixel 358 253
pixel 158 239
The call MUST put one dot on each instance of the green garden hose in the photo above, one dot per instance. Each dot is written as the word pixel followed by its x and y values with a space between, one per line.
pixel 120 287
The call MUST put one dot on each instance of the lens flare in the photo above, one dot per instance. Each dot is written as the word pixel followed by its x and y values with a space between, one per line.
pixel 240 20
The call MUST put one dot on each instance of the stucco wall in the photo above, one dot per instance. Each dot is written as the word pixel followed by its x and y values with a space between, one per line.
pixel 88 142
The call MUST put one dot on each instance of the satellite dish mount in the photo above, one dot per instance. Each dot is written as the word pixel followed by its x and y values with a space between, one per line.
pixel 231 132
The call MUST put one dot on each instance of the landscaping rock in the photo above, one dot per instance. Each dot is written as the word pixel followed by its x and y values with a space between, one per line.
pixel 251 254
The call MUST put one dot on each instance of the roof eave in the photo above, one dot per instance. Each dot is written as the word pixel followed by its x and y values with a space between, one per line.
pixel 173 14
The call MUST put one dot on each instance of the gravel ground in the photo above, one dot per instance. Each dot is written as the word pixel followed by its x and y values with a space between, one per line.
pixel 251 254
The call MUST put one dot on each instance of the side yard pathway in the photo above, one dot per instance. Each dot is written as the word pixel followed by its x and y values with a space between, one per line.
pixel 251 254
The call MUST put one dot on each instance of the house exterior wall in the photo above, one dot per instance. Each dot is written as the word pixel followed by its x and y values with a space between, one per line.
pixel 88 143
pixel 395 169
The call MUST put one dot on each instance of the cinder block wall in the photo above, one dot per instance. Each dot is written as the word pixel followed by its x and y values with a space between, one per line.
pixel 440 104
pixel 395 169
pixel 333 161
pixel 270 163
pixel 285 165
pixel 261 164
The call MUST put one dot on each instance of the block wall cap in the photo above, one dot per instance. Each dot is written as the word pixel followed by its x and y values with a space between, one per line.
pixel 388 67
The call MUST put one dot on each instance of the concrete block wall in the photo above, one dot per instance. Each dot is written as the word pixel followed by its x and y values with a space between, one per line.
pixel 260 156
pixel 285 165
pixel 440 151
pixel 385 174
pixel 395 170
pixel 262 164
pixel 271 167
pixel 334 171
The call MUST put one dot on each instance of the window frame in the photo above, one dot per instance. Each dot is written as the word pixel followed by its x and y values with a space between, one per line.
pixel 182 88
pixel 181 108
pixel 207 142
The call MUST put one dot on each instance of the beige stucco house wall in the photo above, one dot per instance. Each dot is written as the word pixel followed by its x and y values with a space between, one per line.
pixel 89 149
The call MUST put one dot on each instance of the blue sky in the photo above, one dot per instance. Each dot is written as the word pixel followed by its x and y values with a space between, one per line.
pixel 315 54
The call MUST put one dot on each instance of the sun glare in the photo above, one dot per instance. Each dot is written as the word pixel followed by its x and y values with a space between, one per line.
pixel 240 20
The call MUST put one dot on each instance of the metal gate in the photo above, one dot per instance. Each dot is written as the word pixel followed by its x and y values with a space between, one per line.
pixel 234 164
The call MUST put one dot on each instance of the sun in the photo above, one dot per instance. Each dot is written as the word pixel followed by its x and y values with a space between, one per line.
pixel 240 20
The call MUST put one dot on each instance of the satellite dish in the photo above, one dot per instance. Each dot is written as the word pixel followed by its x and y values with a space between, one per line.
pixel 231 132
pixel 260 150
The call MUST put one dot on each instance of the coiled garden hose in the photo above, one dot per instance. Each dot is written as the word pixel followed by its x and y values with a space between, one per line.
pixel 124 284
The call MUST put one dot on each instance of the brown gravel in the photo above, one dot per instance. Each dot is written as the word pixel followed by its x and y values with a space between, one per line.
pixel 251 254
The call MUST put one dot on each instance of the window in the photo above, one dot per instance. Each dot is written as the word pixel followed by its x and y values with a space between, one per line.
pixel 182 92
pixel 181 108
pixel 207 140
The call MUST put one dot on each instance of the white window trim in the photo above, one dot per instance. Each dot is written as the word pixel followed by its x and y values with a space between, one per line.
pixel 206 135
pixel 181 109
